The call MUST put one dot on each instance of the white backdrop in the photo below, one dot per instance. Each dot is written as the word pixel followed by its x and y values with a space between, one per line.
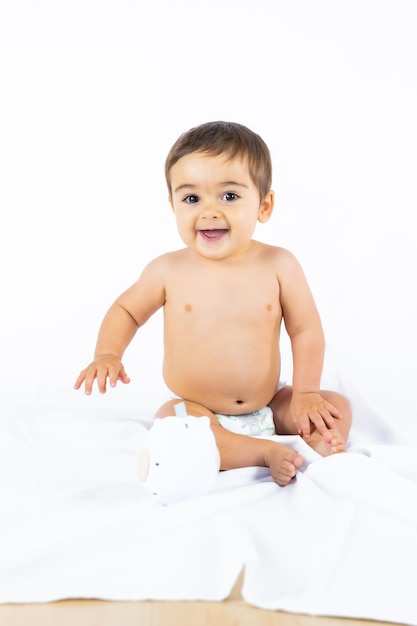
pixel 94 93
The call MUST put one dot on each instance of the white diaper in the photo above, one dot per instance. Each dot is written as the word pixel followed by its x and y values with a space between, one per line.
pixel 180 459
pixel 257 424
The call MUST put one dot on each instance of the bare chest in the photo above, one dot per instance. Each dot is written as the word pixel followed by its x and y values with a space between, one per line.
pixel 237 302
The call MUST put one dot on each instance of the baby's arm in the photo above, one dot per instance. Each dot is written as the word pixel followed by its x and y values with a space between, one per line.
pixel 130 311
pixel 116 332
pixel 304 328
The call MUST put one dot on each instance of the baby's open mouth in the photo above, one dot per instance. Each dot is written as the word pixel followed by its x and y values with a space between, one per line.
pixel 214 234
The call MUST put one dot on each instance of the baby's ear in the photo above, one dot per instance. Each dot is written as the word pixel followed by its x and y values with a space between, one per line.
pixel 266 208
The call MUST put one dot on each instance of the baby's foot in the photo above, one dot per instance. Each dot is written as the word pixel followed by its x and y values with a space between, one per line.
pixel 283 463
pixel 325 448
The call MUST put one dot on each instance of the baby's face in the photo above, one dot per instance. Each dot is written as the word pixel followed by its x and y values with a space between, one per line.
pixel 216 204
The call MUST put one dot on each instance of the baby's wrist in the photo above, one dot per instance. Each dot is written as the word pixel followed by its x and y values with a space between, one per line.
pixel 106 355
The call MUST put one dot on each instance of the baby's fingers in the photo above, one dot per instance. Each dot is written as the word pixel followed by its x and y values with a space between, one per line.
pixel 324 421
pixel 123 377
pixel 87 377
pixel 328 414
pixel 335 413
pixel 101 377
pixel 303 426
pixel 321 425
pixel 117 373
pixel 80 380
pixel 113 374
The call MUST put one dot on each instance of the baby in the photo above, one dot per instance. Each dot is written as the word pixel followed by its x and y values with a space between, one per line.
pixel 224 297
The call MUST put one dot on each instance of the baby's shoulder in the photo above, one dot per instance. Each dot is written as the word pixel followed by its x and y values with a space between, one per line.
pixel 282 262
pixel 165 260
pixel 277 254
pixel 167 266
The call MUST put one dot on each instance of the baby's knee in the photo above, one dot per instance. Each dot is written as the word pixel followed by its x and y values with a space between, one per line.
pixel 344 406
pixel 341 403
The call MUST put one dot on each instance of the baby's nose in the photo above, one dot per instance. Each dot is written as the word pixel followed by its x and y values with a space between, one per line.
pixel 210 210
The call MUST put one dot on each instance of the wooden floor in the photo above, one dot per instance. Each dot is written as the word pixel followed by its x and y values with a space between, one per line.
pixel 92 613
pixel 231 612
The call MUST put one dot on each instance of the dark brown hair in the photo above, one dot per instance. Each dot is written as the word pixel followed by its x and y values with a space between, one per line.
pixel 231 139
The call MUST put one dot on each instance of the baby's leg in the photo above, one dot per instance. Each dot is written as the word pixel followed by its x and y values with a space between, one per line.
pixel 238 450
pixel 284 422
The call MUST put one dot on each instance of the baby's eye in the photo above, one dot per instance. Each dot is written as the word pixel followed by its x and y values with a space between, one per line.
pixel 229 196
pixel 191 199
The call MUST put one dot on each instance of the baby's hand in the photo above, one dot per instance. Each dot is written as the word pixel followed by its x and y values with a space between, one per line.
pixel 102 368
pixel 312 407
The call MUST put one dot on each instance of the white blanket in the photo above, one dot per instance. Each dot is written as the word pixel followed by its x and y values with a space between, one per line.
pixel 77 523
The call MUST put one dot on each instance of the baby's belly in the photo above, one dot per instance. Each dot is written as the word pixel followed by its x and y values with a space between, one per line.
pixel 221 388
